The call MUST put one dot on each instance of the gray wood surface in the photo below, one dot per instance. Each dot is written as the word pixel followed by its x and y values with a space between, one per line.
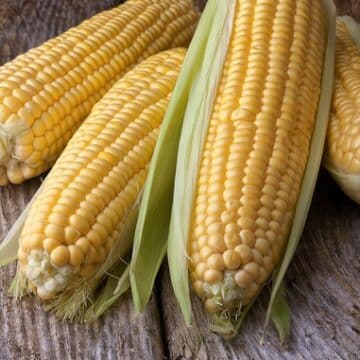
pixel 323 280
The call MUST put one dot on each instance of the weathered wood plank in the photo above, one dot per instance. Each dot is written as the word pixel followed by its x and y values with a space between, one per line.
pixel 323 279
pixel 323 291
pixel 27 332
pixel 349 7
pixel 25 24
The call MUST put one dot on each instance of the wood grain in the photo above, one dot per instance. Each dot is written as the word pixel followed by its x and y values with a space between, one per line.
pixel 27 332
pixel 323 280
pixel 323 291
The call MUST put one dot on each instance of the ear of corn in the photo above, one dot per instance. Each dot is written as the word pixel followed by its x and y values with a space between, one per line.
pixel 248 178
pixel 153 222
pixel 47 92
pixel 342 150
pixel 82 221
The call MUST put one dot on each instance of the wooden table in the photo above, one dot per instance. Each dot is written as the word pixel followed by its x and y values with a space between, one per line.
pixel 323 280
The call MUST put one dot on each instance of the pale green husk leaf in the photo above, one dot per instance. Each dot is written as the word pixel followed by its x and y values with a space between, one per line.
pixel 154 216
pixel 192 139
pixel 314 160
pixel 10 245
pixel 281 314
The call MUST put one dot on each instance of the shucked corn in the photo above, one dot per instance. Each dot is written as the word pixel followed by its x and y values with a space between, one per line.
pixel 47 92
pixel 76 222
pixel 342 151
pixel 256 149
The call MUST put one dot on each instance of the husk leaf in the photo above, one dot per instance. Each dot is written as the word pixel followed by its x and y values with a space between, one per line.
pixel 192 139
pixel 281 314
pixel 154 216
pixel 10 245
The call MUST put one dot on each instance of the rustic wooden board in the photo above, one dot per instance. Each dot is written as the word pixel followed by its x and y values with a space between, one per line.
pixel 323 291
pixel 27 332
pixel 323 280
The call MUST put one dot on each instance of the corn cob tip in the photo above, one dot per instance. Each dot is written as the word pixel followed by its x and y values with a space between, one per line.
pixel 46 278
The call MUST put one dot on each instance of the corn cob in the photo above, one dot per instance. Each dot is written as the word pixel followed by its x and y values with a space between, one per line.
pixel 342 151
pixel 75 227
pixel 256 149
pixel 47 92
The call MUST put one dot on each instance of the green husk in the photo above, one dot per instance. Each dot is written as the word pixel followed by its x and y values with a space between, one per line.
pixel 154 216
pixel 312 166
pixel 190 148
pixel 10 245
pixel 349 183
pixel 193 136
pixel 281 314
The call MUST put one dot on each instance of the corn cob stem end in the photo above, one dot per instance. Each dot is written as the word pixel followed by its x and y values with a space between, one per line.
pixel 8 132
pixel 224 303
pixel 47 278
pixel 226 323
pixel 63 289
pixel 223 294
pixel 5 147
